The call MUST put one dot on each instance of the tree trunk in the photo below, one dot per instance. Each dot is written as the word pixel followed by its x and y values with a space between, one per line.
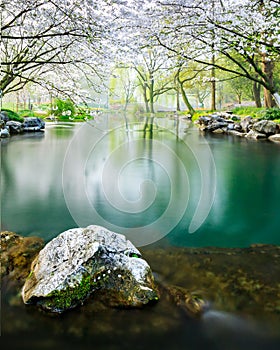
pixel 267 68
pixel 186 100
pixel 213 85
pixel 145 98
pixel 239 98
pixel 152 96
pixel 178 100
pixel 257 94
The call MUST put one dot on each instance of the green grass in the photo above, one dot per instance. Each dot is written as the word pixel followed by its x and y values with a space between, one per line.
pixel 252 111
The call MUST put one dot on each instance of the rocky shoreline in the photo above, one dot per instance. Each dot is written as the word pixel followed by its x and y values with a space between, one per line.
pixel 12 127
pixel 229 124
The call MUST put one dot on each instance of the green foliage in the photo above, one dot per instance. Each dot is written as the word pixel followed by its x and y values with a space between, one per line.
pixel 272 114
pixel 63 109
pixel 26 113
pixel 12 115
pixel 262 113
pixel 252 111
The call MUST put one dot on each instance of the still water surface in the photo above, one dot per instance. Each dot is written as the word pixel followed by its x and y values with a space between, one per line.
pixel 172 184
pixel 170 187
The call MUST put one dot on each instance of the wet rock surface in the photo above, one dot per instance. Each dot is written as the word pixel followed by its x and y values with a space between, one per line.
pixel 80 261
pixel 17 253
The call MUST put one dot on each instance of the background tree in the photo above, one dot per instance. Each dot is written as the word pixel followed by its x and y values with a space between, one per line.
pixel 245 32
pixel 153 75
pixel 43 40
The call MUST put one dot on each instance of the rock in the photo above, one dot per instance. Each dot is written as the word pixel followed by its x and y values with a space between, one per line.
pixel 238 127
pixel 245 123
pixel 236 133
pixel 274 138
pixel 4 116
pixel 17 254
pixel 266 127
pixel 82 261
pixel 255 135
pixel 216 125
pixel 204 120
pixel 230 126
pixel 14 127
pixel 4 133
pixel 218 131
pixel 192 304
pixel 33 124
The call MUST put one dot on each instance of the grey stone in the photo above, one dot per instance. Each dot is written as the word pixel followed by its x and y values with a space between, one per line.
pixel 274 138
pixel 267 127
pixel 246 122
pixel 238 127
pixel 236 133
pixel 4 133
pixel 14 127
pixel 230 126
pixel 204 120
pixel 81 261
pixel 218 131
pixel 216 125
pixel 255 135
pixel 33 124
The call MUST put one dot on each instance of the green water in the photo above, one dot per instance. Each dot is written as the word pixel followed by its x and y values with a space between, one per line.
pixel 172 186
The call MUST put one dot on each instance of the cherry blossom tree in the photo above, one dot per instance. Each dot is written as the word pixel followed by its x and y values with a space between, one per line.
pixel 53 43
pixel 245 32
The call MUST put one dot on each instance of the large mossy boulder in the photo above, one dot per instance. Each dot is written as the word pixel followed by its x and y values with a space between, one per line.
pixel 83 261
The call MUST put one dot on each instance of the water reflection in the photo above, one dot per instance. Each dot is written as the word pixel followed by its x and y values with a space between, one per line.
pixel 119 171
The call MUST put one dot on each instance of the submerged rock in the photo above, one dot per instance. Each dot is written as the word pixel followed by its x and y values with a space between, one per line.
pixel 82 261
pixel 17 253
pixel 192 304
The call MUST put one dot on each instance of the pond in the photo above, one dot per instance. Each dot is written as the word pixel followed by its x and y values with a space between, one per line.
pixel 167 187
pixel 173 184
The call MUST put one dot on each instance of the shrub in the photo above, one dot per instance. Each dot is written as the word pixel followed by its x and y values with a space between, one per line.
pixel 272 114
pixel 63 108
pixel 12 115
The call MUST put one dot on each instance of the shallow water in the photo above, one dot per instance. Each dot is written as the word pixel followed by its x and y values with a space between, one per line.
pixel 240 314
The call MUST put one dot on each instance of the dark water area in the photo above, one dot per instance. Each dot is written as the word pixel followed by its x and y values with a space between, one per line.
pixel 167 189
